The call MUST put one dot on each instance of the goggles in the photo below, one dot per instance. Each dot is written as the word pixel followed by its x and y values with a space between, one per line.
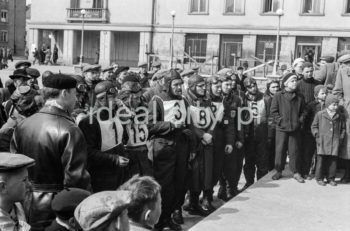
pixel 82 87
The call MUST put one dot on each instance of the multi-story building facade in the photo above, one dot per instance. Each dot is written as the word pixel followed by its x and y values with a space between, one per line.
pixel 220 32
pixel 12 26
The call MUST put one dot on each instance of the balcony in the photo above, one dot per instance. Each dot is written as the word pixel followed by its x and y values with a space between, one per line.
pixel 91 15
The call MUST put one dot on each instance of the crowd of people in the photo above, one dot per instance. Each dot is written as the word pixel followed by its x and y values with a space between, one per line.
pixel 114 149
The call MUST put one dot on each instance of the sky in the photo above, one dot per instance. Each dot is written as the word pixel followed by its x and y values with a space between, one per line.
pixel 29 1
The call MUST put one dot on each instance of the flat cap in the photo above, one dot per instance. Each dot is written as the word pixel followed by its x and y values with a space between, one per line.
pixel 104 86
pixel 90 67
pixel 121 69
pixel 344 58
pixel 107 69
pixel 225 71
pixel 195 68
pixel 10 161
pixel 99 209
pixel 328 59
pixel 65 202
pixel 22 64
pixel 187 73
pixel 298 60
pixel 60 81
pixel 19 73
pixel 142 64
pixel 156 63
pixel 32 72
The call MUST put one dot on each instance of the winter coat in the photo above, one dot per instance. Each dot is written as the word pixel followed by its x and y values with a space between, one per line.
pixel 286 111
pixel 329 132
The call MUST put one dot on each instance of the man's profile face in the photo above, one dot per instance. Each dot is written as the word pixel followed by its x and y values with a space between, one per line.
pixel 17 185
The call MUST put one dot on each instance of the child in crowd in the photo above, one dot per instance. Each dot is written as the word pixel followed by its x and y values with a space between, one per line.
pixel 309 148
pixel 145 208
pixel 328 128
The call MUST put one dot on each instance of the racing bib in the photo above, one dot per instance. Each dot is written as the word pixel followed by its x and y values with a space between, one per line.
pixel 111 133
pixel 138 134
pixel 218 110
pixel 174 111
pixel 200 116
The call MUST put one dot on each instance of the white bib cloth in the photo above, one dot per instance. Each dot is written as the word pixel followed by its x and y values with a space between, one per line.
pixel 174 111
pixel 200 116
pixel 108 133
pixel 138 134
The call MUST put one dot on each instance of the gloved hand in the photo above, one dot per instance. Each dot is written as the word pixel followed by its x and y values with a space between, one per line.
pixel 228 149
pixel 207 138
pixel 239 145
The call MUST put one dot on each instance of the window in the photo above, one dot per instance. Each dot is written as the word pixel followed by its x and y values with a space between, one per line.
pixel 271 6
pixel 3 36
pixel 346 7
pixel 97 4
pixel 343 45
pixel 312 7
pixel 196 46
pixel 3 17
pixel 199 6
pixel 75 4
pixel 234 7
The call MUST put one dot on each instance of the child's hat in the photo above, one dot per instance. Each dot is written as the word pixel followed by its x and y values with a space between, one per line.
pixel 331 99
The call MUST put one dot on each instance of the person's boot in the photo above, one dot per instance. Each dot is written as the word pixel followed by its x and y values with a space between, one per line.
pixel 232 193
pixel 277 176
pixel 177 216
pixel 187 202
pixel 167 223
pixel 206 203
pixel 222 193
pixel 298 178
pixel 194 208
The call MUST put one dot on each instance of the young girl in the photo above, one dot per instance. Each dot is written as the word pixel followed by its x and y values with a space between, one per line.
pixel 328 128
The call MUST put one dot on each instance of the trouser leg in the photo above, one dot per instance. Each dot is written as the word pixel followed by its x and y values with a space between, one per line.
pixel 262 159
pixel 293 151
pixel 309 146
pixel 250 161
pixel 332 167
pixel 319 168
pixel 281 150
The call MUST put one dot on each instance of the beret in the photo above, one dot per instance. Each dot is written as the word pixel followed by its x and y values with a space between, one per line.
pixel 89 67
pixel 330 98
pixel 10 161
pixel 344 58
pixel 103 86
pixel 121 69
pixel 99 209
pixel 142 64
pixel 249 81
pixel 187 73
pixel 156 63
pixel 328 59
pixel 32 72
pixel 65 202
pixel 19 73
pixel 60 81
pixel 22 63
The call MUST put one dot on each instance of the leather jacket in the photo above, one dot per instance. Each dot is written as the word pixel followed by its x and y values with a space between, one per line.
pixel 58 147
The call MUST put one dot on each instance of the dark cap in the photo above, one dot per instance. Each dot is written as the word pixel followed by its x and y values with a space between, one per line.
pixel 186 73
pixel 65 202
pixel 195 68
pixel 22 64
pixel 60 81
pixel 121 69
pixel 287 77
pixel 107 69
pixel 20 73
pixel 330 99
pixel 100 208
pixel 89 67
pixel 32 72
pixel 103 86
pixel 10 161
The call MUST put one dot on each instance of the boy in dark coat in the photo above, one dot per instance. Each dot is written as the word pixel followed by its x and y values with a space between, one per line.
pixel 286 110
pixel 329 130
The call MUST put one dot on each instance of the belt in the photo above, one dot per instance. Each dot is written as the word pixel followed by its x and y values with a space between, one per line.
pixel 47 187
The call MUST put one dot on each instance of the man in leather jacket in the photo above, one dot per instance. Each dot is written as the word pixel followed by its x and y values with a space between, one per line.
pixel 57 145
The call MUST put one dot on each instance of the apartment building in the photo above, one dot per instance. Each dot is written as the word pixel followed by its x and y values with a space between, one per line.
pixel 12 26
pixel 220 33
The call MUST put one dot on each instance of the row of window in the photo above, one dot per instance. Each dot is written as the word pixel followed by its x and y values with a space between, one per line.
pixel 312 7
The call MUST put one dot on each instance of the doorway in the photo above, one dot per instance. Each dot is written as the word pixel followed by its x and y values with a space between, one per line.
pixel 230 50
pixel 311 52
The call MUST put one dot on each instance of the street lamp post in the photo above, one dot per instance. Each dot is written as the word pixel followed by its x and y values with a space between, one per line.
pixel 279 13
pixel 173 13
pixel 82 12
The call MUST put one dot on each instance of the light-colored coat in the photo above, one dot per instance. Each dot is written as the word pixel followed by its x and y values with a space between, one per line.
pixel 342 90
